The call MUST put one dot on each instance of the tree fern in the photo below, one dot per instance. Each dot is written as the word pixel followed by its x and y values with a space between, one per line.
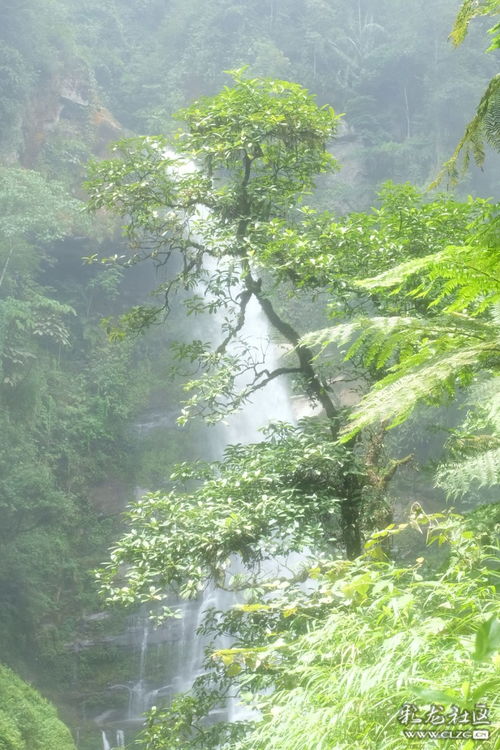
pixel 475 447
pixel 478 471
pixel 395 396
pixel 485 125
pixel 428 356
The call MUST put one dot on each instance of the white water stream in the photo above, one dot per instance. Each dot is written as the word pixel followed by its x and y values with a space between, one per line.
pixel 177 642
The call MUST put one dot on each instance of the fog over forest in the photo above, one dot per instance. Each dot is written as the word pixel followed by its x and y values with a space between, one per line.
pixel 249 374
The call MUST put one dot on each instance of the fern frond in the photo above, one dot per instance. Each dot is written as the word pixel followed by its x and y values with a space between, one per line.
pixel 395 396
pixel 485 124
pixel 495 315
pixel 492 121
pixel 486 397
pixel 460 477
pixel 379 338
pixel 472 142
pixel 469 10
pixel 458 278
pixel 399 274
pixel 340 334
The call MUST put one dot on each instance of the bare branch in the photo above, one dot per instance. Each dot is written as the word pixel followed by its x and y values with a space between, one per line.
pixel 274 374
pixel 245 297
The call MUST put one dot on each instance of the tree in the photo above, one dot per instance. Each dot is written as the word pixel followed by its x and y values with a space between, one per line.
pixel 230 228
pixel 432 353
pixel 257 147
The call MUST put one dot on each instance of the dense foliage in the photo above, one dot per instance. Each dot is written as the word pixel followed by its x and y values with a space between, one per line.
pixel 180 539
pixel 411 286
pixel 262 500
pixel 28 721
pixel 65 397
pixel 392 636
pixel 446 341
pixel 333 665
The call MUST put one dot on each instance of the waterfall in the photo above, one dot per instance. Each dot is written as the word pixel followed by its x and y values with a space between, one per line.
pixel 267 405
pixel 137 702
pixel 178 646
pixel 105 743
pixel 176 642
pixel 270 404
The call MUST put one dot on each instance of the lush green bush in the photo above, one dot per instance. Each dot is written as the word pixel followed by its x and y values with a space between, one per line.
pixel 344 660
pixel 425 634
pixel 28 721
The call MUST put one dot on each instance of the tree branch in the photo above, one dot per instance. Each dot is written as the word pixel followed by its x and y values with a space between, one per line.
pixel 240 322
pixel 304 354
pixel 274 374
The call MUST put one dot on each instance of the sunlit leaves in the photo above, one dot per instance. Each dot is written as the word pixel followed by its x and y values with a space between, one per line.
pixel 427 356
pixel 409 634
pixel 322 250
pixel 264 499
pixel 331 665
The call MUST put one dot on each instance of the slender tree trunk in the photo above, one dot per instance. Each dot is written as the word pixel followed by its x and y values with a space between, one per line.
pixel 350 508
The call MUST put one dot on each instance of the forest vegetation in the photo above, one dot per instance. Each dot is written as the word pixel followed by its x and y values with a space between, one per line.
pixel 381 299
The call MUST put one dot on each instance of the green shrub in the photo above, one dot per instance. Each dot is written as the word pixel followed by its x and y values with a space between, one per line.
pixel 28 721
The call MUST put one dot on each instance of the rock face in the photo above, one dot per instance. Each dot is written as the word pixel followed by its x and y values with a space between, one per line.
pixel 64 108
pixel 59 122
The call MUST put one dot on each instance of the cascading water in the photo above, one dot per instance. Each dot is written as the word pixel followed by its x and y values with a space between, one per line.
pixel 138 693
pixel 120 740
pixel 177 643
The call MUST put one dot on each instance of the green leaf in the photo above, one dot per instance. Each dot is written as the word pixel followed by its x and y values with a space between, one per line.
pixel 431 695
pixel 487 639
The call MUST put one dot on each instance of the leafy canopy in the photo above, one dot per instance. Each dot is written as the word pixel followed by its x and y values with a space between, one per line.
pixel 262 500
pixel 429 354
pixel 247 156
